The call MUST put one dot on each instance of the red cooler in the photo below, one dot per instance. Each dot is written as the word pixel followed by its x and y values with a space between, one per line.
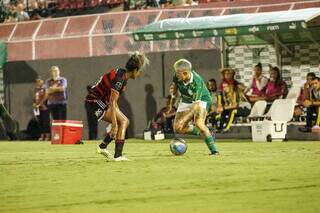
pixel 66 131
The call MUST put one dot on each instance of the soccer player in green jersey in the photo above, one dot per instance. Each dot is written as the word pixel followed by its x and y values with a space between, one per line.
pixel 194 105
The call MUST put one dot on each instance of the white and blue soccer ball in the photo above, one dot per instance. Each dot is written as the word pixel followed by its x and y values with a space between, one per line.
pixel 178 146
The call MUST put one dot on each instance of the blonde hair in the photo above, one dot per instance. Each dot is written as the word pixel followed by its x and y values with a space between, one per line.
pixel 182 64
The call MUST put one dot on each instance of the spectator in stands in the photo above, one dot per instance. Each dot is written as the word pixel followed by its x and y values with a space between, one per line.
pixel 165 117
pixel 126 5
pixel 304 95
pixel 138 5
pixel 227 105
pixel 163 3
pixel 92 119
pixel 228 75
pixel 258 84
pixel 312 104
pixel 56 87
pixel 41 110
pixel 39 10
pixel 231 103
pixel 21 14
pixel 307 87
pixel 276 87
pixel 151 3
pixel 11 15
pixel 189 3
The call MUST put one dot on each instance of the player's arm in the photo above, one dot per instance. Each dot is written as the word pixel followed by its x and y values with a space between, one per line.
pixel 113 111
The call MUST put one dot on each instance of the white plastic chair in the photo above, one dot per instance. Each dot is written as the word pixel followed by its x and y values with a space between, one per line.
pixel 258 109
pixel 294 93
pixel 281 110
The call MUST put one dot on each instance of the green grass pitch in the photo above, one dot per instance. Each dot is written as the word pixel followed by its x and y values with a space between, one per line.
pixel 247 177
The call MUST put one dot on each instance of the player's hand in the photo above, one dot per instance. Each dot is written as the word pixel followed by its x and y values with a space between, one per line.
pixel 307 103
pixel 114 131
pixel 220 109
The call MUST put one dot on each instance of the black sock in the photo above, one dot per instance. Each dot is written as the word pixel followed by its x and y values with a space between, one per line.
pixel 118 148
pixel 106 142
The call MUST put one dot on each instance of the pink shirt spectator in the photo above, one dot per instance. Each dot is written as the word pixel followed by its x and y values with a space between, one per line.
pixel 259 88
pixel 274 91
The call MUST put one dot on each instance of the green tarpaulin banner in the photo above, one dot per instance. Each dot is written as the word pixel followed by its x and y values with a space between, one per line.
pixel 238 29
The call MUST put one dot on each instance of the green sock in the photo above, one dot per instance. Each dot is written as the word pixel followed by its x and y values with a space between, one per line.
pixel 195 131
pixel 210 143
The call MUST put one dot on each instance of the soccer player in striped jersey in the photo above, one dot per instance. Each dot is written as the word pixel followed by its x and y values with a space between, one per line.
pixel 194 105
pixel 103 97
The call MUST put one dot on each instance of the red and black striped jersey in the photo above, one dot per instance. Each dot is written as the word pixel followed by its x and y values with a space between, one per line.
pixel 115 79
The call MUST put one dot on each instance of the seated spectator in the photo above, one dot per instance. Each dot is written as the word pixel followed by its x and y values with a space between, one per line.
pixel 307 87
pixel 228 75
pixel 126 5
pixel 11 15
pixel 227 105
pixel 313 106
pixel 151 3
pixel 21 14
pixel 163 3
pixel 231 103
pixel 258 84
pixel 304 95
pixel 39 10
pixel 188 3
pixel 276 88
pixel 165 117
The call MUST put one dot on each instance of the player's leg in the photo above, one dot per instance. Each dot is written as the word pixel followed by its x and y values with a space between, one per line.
pixel 181 123
pixel 98 109
pixel 200 114
pixel 123 123
pixel 183 118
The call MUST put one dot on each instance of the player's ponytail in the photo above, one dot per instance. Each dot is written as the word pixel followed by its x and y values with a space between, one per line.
pixel 137 61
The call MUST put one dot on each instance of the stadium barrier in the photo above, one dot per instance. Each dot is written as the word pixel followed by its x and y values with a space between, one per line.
pixel 110 34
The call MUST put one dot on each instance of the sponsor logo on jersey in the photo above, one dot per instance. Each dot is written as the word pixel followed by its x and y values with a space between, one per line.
pixel 118 85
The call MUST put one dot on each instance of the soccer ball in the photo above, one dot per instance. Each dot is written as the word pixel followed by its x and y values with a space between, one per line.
pixel 178 146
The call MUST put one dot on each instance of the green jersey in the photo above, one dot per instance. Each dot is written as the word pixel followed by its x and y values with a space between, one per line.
pixel 194 90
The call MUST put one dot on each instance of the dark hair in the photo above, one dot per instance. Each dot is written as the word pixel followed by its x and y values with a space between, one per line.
pixel 311 74
pixel 136 62
pixel 317 78
pixel 259 65
pixel 279 79
pixel 213 80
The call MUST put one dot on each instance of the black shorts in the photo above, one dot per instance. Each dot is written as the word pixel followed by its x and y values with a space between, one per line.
pixel 97 107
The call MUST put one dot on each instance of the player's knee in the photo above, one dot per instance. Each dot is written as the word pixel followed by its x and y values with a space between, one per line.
pixel 177 128
pixel 125 122
pixel 201 126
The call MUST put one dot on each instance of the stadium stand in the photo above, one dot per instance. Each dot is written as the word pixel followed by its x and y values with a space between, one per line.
pixel 110 34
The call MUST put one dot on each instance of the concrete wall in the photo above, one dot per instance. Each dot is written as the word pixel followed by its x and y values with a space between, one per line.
pixel 143 97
